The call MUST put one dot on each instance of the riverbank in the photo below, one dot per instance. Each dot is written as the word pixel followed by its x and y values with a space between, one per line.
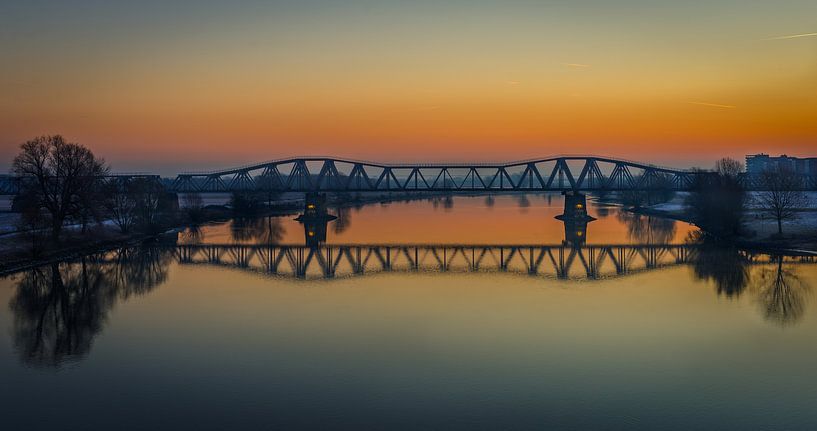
pixel 17 251
pixel 760 230
pixel 19 254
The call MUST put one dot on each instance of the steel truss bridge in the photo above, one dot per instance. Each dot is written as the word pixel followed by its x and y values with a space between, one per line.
pixel 327 174
pixel 589 262
pixel 317 174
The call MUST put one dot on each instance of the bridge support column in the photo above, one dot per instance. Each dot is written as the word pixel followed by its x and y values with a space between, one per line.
pixel 315 218
pixel 575 206
pixel 575 218
pixel 315 204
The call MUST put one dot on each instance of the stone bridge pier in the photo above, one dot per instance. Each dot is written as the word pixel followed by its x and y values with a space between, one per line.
pixel 575 218
pixel 315 219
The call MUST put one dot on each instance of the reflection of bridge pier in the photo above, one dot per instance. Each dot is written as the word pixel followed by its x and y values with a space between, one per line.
pixel 315 231
pixel 575 232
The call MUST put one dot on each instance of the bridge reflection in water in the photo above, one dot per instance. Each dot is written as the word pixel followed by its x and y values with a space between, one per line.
pixel 338 260
pixel 60 308
pixel 556 261
pixel 572 259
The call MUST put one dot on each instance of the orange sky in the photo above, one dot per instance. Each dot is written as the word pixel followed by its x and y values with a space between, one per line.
pixel 161 87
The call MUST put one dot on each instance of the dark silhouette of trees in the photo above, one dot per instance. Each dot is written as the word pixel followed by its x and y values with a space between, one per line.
pixel 728 167
pixel 659 191
pixel 246 204
pixel 717 202
pixel 61 178
pixel 141 203
pixel 148 196
pixel 194 208
pixel 33 222
pixel 121 205
pixel 782 195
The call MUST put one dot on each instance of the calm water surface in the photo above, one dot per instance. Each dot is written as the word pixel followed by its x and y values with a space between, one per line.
pixel 635 330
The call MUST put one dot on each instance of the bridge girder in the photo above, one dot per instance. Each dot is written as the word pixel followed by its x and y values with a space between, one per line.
pixel 339 175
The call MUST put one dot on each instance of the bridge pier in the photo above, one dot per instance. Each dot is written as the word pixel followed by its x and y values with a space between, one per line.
pixel 315 219
pixel 314 205
pixel 575 207
pixel 575 218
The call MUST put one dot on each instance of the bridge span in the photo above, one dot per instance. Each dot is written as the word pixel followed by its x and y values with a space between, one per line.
pixel 337 175
pixel 327 174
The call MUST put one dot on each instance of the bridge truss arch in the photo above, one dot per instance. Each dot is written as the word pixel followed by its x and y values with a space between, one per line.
pixel 326 174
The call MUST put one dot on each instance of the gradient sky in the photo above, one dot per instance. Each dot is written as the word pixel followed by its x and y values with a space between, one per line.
pixel 166 85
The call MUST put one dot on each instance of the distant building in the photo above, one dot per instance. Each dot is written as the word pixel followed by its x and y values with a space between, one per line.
pixel 758 163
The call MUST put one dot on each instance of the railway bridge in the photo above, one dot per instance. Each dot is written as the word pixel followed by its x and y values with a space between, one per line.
pixel 330 174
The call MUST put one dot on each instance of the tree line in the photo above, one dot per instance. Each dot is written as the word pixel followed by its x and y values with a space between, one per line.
pixel 718 203
pixel 63 183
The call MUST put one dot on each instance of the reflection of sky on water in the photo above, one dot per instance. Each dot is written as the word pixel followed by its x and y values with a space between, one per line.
pixel 502 219
pixel 719 342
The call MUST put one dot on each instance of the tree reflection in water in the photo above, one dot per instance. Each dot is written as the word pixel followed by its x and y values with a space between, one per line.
pixel 343 220
pixel 60 308
pixel 523 202
pixel 602 210
pixel 723 264
pixel 260 230
pixel 139 270
pixel 781 293
pixel 191 235
pixel 645 229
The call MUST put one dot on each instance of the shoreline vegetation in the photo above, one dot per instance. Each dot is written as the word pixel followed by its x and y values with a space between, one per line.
pixel 68 205
pixel 16 252
pixel 756 237
pixel 105 236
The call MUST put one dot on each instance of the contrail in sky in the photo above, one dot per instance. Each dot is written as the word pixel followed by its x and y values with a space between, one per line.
pixel 714 105
pixel 792 36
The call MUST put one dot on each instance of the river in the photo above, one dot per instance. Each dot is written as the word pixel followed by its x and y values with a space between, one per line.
pixel 445 313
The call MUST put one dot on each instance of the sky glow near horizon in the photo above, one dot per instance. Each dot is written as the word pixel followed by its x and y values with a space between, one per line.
pixel 166 86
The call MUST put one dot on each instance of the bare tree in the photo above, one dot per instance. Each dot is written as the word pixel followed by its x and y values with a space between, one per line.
pixel 59 175
pixel 148 195
pixel 782 195
pixel 194 207
pixel 121 206
pixel 717 201
pixel 728 167
pixel 782 294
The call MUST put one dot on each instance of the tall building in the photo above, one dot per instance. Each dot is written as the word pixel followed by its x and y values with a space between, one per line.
pixel 758 163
